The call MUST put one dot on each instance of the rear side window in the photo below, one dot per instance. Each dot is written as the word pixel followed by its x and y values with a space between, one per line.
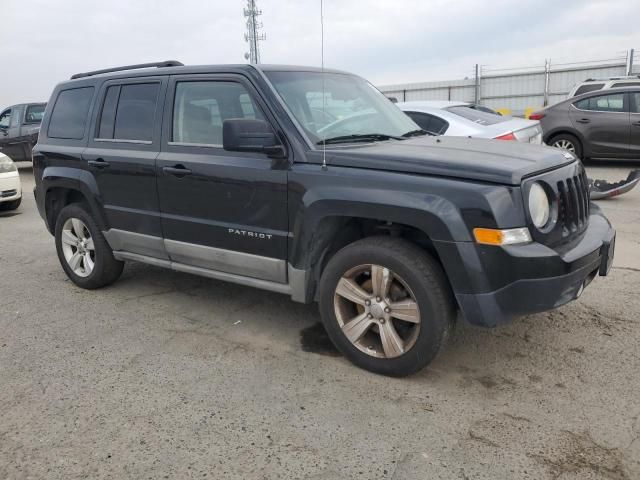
pixel 589 87
pixel 626 84
pixel 34 114
pixel 477 116
pixel 603 103
pixel 128 112
pixel 69 114
pixel 428 122
pixel 201 107
pixel 635 107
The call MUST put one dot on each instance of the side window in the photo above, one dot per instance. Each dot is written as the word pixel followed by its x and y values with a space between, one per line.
pixel 200 107
pixel 5 118
pixel 69 114
pixel 422 119
pixel 626 84
pixel 589 87
pixel 428 122
pixel 34 113
pixel 108 115
pixel 603 103
pixel 128 112
pixel 635 105
pixel 439 125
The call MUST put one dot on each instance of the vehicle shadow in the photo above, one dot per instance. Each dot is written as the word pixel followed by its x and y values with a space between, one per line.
pixel 244 315
pixel 9 214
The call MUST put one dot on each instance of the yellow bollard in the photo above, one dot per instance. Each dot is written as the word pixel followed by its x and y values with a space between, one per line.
pixel 528 111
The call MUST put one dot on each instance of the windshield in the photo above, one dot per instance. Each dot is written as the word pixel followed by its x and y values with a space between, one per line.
pixel 352 106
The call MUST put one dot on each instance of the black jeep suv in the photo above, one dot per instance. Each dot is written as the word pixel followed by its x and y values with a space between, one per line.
pixel 312 184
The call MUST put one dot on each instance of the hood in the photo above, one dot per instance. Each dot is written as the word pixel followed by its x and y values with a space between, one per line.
pixel 492 161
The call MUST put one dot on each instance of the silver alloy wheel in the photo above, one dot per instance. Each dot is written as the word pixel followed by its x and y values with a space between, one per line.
pixel 78 248
pixel 565 145
pixel 377 311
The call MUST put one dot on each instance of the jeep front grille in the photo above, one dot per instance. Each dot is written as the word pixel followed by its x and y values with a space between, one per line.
pixel 573 203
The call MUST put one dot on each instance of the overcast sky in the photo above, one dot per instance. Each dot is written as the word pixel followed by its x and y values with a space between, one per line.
pixel 386 41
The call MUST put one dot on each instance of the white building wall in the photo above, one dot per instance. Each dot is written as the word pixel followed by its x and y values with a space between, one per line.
pixel 518 92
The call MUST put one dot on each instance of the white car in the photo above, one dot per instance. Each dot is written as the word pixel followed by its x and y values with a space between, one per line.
pixel 10 188
pixel 460 119
pixel 594 84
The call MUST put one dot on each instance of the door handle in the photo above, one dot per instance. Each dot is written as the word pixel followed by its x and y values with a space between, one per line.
pixel 583 120
pixel 177 170
pixel 636 124
pixel 98 163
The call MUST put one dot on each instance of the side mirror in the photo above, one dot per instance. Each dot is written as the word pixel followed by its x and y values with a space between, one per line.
pixel 248 135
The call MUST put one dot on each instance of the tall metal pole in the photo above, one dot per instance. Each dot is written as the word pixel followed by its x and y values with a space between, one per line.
pixel 630 62
pixel 253 36
pixel 477 89
pixel 547 75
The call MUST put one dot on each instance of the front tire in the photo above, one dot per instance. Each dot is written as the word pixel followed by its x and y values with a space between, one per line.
pixel 83 252
pixel 386 305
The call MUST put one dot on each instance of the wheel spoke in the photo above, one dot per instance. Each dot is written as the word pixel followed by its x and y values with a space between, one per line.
pixel 406 310
pixel 78 228
pixel 351 291
pixel 68 238
pixel 355 329
pixel 74 261
pixel 87 263
pixel 381 279
pixel 392 344
pixel 89 245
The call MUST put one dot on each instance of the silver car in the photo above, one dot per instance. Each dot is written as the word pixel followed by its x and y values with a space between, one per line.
pixel 460 119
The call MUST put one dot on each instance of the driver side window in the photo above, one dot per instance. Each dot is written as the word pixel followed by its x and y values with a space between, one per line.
pixel 5 119
pixel 200 107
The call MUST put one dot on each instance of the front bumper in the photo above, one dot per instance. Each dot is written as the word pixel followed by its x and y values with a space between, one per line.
pixel 533 278
pixel 10 188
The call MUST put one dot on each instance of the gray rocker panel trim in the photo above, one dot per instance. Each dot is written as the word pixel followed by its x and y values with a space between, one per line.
pixel 227 265
pixel 296 290
pixel 239 263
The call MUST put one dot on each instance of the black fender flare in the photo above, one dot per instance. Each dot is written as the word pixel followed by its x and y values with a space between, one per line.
pixel 435 216
pixel 74 179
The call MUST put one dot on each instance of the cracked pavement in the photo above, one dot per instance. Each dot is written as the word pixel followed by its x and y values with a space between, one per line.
pixel 167 375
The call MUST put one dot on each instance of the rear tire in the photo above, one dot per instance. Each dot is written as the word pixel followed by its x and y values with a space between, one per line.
pixel 566 141
pixel 12 205
pixel 83 252
pixel 365 325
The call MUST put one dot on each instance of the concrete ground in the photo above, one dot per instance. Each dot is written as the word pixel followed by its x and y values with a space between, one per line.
pixel 167 375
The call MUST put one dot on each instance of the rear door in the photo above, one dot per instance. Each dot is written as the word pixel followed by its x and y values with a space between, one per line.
pixel 121 156
pixel 603 120
pixel 634 142
pixel 221 210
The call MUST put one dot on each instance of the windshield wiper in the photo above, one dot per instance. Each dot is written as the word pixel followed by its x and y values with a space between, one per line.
pixel 361 137
pixel 418 132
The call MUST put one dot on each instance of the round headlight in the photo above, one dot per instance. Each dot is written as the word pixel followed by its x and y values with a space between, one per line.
pixel 539 208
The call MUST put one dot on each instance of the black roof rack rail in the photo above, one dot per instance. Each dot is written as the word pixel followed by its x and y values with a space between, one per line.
pixel 166 63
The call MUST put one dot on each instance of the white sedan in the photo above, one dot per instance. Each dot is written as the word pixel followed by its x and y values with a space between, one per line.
pixel 460 119
pixel 10 188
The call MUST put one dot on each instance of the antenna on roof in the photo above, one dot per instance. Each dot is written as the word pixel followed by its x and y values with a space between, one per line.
pixel 324 98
